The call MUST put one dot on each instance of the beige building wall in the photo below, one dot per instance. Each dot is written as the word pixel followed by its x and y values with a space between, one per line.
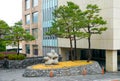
pixel 32 25
pixel 103 41
pixel 116 24
pixel 108 40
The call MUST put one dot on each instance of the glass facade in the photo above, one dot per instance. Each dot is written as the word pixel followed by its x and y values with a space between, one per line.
pixel 35 3
pixel 49 42
pixel 35 17
pixel 27 19
pixel 27 46
pixel 35 32
pixel 27 4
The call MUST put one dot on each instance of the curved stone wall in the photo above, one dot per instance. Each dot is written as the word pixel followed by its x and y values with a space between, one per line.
pixel 17 64
pixel 93 68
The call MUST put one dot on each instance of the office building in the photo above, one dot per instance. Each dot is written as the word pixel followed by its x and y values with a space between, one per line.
pixel 37 18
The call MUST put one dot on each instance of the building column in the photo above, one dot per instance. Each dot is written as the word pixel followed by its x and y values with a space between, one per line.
pixel 111 60
pixel 31 51
pixel 63 54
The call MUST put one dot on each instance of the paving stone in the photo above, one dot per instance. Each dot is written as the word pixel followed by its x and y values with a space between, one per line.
pixel 16 75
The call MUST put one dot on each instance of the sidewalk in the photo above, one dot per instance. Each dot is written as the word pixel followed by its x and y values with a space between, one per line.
pixel 16 75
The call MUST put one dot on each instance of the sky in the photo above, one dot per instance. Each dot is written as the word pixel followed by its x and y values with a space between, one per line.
pixel 10 11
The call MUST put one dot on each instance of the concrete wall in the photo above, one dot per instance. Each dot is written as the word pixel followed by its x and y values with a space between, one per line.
pixel 116 24
pixel 106 39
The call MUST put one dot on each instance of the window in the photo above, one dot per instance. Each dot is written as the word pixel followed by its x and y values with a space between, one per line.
pixel 35 49
pixel 35 17
pixel 27 4
pixel 27 19
pixel 35 3
pixel 27 46
pixel 35 32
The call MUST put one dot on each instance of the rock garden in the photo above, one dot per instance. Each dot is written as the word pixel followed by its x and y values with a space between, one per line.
pixel 52 67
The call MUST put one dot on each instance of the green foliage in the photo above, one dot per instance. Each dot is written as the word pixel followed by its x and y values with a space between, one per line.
pixel 71 22
pixel 4 31
pixel 2 46
pixel 15 57
pixel 94 22
pixel 19 34
pixel 21 57
pixel 12 56
pixel 1 56
pixel 28 37
pixel 68 23
pixel 19 23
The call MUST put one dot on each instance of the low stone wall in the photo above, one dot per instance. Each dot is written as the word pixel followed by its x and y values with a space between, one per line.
pixel 17 64
pixel 93 68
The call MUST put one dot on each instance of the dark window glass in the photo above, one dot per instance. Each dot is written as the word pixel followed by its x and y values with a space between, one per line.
pixel 35 49
pixel 27 46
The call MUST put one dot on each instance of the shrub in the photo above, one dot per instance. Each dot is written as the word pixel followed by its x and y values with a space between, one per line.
pixel 12 56
pixel 20 57
pixel 15 57
pixel 1 56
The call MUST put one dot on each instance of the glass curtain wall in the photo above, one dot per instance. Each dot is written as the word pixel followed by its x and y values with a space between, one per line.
pixel 49 42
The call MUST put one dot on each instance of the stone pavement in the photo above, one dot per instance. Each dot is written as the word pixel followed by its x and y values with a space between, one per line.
pixel 16 75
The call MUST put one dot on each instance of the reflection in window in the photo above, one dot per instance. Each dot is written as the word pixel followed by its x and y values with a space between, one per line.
pixel 27 4
pixel 35 49
pixel 27 46
pixel 35 32
pixel 35 3
pixel 35 17
pixel 27 19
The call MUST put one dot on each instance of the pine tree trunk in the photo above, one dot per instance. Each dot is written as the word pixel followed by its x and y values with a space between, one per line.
pixel 18 48
pixel 89 45
pixel 75 49
pixel 71 48
pixel 89 49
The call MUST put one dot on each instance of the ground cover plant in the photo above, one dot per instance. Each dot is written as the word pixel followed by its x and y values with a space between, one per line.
pixel 65 64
